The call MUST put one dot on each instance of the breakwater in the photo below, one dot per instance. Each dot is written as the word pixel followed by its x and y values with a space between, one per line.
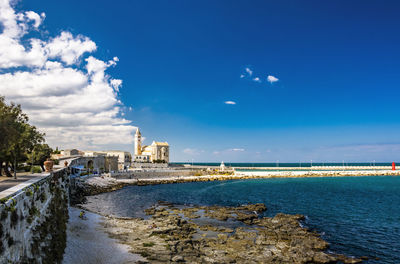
pixel 166 177
pixel 33 217
pixel 317 168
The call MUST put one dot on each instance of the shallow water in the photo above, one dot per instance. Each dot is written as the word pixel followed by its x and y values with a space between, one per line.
pixel 359 216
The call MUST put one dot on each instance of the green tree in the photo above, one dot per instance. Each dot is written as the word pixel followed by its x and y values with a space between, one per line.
pixel 17 137
pixel 39 154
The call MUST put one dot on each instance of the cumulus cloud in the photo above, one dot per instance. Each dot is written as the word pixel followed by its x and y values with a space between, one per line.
pixel 63 88
pixel 272 79
pixel 257 79
pixel 248 74
pixel 230 102
pixel 69 48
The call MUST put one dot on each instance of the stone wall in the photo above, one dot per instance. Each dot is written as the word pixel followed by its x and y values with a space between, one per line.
pixel 33 218
pixel 148 165
pixel 155 173
pixel 100 163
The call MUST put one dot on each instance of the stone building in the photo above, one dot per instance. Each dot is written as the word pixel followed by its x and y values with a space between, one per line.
pixel 124 157
pixel 99 163
pixel 70 152
pixel 156 152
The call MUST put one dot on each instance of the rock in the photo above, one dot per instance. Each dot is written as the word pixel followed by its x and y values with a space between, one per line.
pixel 177 259
pixel 278 239
pixel 259 207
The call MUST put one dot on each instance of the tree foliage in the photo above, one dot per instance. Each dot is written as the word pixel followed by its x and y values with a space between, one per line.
pixel 39 154
pixel 18 138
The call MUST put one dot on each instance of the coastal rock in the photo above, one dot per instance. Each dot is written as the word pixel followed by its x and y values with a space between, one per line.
pixel 179 235
pixel 93 186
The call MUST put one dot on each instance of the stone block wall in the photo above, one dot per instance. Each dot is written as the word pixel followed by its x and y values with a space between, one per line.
pixel 145 165
pixel 33 220
pixel 155 174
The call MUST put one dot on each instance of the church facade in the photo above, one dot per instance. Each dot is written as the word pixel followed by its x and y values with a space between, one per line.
pixel 157 152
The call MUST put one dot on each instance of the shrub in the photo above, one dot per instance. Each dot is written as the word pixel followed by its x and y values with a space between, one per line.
pixel 36 169
pixel 23 167
pixel 150 244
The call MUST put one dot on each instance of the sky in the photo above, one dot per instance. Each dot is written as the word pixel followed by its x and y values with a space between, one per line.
pixel 238 81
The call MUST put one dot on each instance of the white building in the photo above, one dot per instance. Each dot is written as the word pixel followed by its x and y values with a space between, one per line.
pixel 156 152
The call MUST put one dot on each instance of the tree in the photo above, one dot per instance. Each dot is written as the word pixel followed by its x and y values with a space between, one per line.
pixel 39 154
pixel 56 151
pixel 17 137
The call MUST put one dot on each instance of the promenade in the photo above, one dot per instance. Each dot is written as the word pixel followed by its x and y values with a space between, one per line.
pixel 8 182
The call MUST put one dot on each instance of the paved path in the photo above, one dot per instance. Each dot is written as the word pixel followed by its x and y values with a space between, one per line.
pixel 9 182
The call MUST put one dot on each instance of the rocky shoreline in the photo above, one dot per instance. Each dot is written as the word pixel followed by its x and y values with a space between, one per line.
pixel 96 185
pixel 213 234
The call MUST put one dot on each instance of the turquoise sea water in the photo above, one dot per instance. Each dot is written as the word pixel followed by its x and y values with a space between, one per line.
pixel 359 216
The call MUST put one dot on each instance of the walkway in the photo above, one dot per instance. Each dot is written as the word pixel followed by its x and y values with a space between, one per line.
pixel 8 182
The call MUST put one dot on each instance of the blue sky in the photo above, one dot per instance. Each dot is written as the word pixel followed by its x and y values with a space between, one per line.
pixel 338 65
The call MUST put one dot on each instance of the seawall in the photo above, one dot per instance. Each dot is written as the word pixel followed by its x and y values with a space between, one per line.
pixel 33 217
pixel 156 173
pixel 165 179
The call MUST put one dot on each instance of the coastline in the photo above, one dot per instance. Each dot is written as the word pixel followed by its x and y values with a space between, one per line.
pixel 220 234
pixel 100 184
pixel 254 175
pixel 156 247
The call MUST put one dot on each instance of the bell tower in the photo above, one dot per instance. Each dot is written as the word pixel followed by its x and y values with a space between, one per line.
pixel 138 143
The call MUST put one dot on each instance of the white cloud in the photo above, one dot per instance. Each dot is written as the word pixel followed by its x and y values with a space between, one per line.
pixel 236 150
pixel 69 48
pixel 30 15
pixel 242 76
pixel 69 97
pixel 272 79
pixel 249 71
pixel 230 102
pixel 257 79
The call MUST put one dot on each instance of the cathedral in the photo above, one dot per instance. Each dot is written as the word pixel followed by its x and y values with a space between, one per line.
pixel 157 152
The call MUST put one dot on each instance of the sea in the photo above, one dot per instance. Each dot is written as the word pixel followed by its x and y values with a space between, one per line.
pixel 358 216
